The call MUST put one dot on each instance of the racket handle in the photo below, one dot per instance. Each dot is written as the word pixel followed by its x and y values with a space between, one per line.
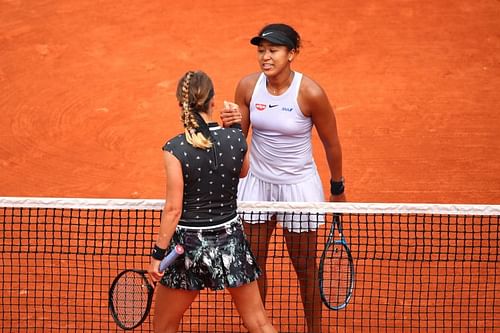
pixel 169 259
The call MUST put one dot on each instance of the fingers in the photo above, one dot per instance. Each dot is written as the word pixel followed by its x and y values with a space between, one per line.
pixel 230 114
pixel 154 275
pixel 230 105
pixel 232 118
pixel 151 280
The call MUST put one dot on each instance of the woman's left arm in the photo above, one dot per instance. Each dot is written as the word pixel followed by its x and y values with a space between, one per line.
pixel 315 103
pixel 171 211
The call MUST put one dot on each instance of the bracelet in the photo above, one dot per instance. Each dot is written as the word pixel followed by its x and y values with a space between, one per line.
pixel 337 188
pixel 158 253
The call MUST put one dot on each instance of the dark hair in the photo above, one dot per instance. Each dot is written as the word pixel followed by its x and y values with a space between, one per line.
pixel 195 90
pixel 286 30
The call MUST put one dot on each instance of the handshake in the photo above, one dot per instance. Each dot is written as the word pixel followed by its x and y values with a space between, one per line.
pixel 231 115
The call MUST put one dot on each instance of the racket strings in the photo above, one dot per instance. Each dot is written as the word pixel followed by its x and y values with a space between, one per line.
pixel 336 275
pixel 130 298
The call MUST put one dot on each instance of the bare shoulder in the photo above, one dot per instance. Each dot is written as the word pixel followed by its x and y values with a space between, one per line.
pixel 248 81
pixel 312 97
pixel 245 88
pixel 309 88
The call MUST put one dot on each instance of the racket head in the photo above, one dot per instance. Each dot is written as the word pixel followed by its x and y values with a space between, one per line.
pixel 130 298
pixel 336 275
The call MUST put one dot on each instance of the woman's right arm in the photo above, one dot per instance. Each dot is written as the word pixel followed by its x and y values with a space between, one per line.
pixel 242 97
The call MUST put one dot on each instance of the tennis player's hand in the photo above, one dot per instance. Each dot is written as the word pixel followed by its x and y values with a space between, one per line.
pixel 337 198
pixel 154 274
pixel 230 115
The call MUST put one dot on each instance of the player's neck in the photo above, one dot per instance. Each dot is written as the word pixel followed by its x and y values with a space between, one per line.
pixel 207 116
pixel 279 84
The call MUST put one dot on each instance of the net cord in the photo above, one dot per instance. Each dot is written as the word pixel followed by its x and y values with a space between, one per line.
pixel 262 206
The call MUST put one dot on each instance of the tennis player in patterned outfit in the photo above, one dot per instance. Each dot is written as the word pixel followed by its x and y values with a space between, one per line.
pixel 282 106
pixel 203 166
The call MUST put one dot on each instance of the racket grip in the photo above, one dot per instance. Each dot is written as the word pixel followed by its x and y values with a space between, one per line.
pixel 169 259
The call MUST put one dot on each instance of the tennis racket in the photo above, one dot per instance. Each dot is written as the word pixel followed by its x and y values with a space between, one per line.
pixel 336 269
pixel 131 294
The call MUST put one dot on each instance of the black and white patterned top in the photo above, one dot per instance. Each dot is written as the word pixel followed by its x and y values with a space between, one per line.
pixel 211 176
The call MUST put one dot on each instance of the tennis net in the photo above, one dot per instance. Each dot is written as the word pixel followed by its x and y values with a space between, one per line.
pixel 418 267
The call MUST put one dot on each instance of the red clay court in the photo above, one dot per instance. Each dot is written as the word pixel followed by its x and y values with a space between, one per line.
pixel 87 91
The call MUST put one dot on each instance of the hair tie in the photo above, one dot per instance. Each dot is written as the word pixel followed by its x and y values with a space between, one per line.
pixel 202 126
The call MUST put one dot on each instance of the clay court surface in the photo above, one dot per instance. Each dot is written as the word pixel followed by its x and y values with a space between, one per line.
pixel 87 91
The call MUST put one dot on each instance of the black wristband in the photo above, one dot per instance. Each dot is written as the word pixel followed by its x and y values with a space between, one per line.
pixel 158 253
pixel 337 188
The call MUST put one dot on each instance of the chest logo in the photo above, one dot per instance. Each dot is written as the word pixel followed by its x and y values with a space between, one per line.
pixel 260 107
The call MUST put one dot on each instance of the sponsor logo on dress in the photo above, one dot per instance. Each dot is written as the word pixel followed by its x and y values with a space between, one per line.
pixel 260 107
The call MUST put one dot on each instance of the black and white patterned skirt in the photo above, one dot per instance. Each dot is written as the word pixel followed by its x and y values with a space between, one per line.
pixel 214 258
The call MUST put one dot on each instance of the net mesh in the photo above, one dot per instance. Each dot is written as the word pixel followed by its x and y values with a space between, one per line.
pixel 418 267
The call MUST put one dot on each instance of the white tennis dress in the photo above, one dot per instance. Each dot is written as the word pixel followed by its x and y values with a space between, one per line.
pixel 282 166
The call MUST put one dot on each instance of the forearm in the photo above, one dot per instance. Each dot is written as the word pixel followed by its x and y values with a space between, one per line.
pixel 334 160
pixel 337 188
pixel 169 220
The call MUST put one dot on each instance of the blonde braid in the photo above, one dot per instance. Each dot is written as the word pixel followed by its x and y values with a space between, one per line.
pixel 193 137
pixel 186 110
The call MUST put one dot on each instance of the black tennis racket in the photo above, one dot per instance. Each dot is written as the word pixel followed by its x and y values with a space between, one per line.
pixel 131 294
pixel 336 269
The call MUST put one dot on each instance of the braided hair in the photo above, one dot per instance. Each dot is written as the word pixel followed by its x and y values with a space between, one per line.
pixel 194 93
